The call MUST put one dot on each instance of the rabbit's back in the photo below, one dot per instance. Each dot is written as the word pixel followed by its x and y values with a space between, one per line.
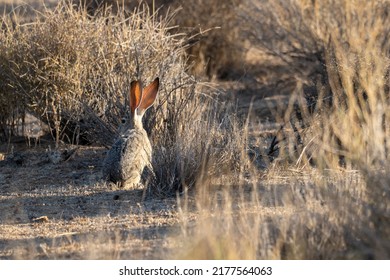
pixel 127 158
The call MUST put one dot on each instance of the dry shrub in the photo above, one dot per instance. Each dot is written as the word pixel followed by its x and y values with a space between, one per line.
pixel 339 117
pixel 342 124
pixel 10 105
pixel 216 47
pixel 70 67
pixel 212 146
pixel 73 70
pixel 339 52
pixel 355 127
pixel 358 126
pixel 287 31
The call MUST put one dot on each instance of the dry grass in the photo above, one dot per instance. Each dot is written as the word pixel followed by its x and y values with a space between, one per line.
pixel 48 66
pixel 333 215
pixel 216 48
pixel 329 214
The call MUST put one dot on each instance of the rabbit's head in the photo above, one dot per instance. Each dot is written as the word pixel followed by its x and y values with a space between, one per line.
pixel 141 99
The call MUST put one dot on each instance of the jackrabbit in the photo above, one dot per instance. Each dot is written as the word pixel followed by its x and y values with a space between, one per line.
pixel 132 150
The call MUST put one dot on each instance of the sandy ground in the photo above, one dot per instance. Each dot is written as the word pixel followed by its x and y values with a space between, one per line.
pixel 60 209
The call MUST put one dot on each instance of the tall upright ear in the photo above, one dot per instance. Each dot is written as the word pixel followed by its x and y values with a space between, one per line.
pixel 135 95
pixel 148 96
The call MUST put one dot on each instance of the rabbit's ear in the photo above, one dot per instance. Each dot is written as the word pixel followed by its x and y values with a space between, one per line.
pixel 148 96
pixel 135 95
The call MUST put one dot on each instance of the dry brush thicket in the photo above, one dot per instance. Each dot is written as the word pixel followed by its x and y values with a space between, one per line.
pixel 215 47
pixel 69 67
pixel 73 71
pixel 334 187
pixel 338 53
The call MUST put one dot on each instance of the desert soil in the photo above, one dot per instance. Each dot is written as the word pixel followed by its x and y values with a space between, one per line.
pixel 51 209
